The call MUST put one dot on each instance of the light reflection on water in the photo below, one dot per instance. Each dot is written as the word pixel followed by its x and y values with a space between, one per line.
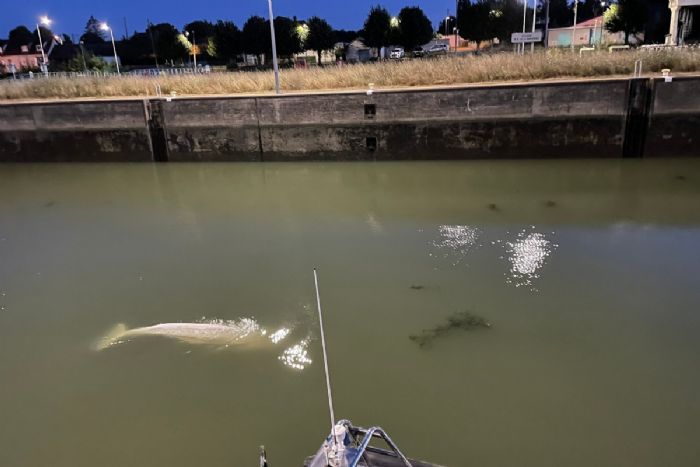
pixel 527 256
pixel 527 253
pixel 456 241
pixel 296 356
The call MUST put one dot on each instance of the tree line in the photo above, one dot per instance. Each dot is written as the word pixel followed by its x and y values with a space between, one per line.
pixel 222 42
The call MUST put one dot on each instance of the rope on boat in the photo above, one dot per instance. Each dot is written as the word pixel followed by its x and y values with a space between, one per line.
pixel 325 355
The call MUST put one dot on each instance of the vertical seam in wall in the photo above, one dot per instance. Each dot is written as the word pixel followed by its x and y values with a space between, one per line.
pixel 625 117
pixel 147 118
pixel 648 109
pixel 257 119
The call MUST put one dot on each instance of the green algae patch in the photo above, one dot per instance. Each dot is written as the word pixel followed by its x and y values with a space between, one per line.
pixel 460 321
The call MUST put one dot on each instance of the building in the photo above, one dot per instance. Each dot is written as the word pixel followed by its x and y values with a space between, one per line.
pixel 15 59
pixel 357 51
pixel 587 33
pixel 683 29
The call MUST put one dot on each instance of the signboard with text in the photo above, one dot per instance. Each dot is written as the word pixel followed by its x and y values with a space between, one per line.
pixel 525 37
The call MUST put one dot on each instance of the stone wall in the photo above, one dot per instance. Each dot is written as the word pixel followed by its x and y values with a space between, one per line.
pixel 602 118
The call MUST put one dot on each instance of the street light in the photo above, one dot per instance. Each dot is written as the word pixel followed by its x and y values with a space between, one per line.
pixel 603 4
pixel 194 48
pixel 573 32
pixel 44 21
pixel 105 27
pixel 82 53
pixel 274 48
pixel 534 18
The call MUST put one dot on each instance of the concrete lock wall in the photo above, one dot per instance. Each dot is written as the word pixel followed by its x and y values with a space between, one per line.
pixel 604 118
pixel 74 131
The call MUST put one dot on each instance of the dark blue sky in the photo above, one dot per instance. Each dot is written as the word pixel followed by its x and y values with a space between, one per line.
pixel 70 16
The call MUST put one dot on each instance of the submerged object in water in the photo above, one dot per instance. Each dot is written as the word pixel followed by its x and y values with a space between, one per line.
pixel 245 331
pixel 463 320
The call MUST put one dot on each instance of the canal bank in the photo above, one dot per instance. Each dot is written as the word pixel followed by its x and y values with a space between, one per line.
pixel 644 117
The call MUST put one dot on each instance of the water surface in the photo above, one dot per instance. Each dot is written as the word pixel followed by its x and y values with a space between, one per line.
pixel 587 270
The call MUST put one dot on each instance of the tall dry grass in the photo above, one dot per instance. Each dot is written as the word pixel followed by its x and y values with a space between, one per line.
pixel 444 71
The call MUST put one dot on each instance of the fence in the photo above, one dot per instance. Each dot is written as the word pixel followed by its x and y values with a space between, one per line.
pixel 205 70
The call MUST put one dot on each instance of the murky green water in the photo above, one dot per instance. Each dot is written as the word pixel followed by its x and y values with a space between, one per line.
pixel 587 270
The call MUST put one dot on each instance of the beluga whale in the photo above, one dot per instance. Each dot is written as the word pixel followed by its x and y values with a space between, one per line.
pixel 244 332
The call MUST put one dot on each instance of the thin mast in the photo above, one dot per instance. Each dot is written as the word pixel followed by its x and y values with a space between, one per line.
pixel 325 354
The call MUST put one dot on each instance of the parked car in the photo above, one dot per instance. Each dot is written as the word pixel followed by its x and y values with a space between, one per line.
pixel 418 51
pixel 397 53
pixel 438 49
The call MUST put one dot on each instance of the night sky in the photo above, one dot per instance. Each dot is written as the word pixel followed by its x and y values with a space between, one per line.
pixel 70 16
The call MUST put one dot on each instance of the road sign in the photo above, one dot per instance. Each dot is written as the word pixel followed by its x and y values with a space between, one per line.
pixel 525 37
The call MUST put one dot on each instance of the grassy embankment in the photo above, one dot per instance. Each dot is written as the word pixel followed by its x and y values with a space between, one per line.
pixel 444 71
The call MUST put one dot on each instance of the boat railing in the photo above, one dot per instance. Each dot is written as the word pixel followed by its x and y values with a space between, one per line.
pixel 364 445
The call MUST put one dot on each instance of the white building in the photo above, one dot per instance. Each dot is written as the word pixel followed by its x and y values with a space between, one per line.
pixel 682 13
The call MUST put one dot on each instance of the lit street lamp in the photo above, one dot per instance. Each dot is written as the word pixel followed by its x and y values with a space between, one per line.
pixel 194 48
pixel 274 48
pixel 105 27
pixel 44 21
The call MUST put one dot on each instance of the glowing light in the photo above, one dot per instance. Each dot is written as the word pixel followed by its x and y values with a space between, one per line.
pixel 279 335
pixel 457 241
pixel 296 356
pixel 45 21
pixel 394 23
pixel 104 26
pixel 527 255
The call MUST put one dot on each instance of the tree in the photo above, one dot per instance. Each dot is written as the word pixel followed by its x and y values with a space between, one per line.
pixel 93 33
pixel 320 36
pixel 560 14
pixel 19 36
pixel 376 28
pixel 341 35
pixel 506 17
pixel 414 28
pixel 225 43
pixel 169 44
pixel 446 26
pixel 628 16
pixel 202 30
pixel 478 20
pixel 286 37
pixel 256 37
pixel 92 63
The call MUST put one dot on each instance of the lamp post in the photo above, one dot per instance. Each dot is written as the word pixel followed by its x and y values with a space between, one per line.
pixel 603 4
pixel 546 26
pixel 45 21
pixel 274 48
pixel 573 32
pixel 524 17
pixel 194 48
pixel 534 18
pixel 82 53
pixel 105 27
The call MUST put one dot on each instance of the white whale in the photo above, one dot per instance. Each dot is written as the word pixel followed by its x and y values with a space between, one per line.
pixel 245 332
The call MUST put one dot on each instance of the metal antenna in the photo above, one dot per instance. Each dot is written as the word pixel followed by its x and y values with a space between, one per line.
pixel 325 355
